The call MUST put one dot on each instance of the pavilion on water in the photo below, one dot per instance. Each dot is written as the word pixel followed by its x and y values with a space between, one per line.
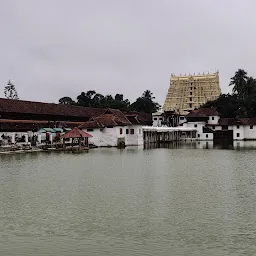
pixel 78 138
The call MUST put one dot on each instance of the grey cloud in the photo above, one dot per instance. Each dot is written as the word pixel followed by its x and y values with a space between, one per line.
pixel 61 47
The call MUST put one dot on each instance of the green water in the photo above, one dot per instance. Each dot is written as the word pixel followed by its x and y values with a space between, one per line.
pixel 181 201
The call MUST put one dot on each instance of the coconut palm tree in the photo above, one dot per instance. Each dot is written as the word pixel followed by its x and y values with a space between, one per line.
pixel 148 95
pixel 239 81
pixel 145 103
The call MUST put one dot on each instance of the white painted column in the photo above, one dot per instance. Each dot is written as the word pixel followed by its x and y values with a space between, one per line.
pixel 50 138
pixel 13 138
pixel 39 138
pixel 26 138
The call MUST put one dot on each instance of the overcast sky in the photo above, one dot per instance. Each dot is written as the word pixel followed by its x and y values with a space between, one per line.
pixel 55 48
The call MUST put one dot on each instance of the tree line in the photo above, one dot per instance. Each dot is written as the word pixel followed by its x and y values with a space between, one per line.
pixel 241 102
pixel 145 103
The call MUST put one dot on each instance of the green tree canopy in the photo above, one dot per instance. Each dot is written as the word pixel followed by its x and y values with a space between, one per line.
pixel 91 98
pixel 145 103
pixel 86 99
pixel 227 105
pixel 239 81
pixel 66 101
pixel 242 102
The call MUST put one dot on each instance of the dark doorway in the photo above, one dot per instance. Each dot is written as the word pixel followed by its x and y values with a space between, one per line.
pixel 223 135
pixel 223 139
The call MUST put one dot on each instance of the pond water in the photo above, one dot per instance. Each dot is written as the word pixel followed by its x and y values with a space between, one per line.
pixel 165 201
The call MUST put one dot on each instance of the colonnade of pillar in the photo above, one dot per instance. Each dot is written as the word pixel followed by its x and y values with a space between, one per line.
pixel 166 136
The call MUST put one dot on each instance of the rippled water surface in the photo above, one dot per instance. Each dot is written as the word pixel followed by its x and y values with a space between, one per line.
pixel 131 202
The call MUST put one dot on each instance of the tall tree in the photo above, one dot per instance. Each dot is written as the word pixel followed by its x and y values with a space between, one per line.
pixel 250 89
pixel 239 81
pixel 81 99
pixel 242 103
pixel 10 91
pixel 148 95
pixel 119 97
pixel 107 102
pixel 90 98
pixel 66 101
pixel 98 100
pixel 227 105
pixel 145 103
pixel 120 103
pixel 86 99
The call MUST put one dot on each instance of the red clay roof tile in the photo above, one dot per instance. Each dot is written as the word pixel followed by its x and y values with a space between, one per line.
pixel 40 108
pixel 76 133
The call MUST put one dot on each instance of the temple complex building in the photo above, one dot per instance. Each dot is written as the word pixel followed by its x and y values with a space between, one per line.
pixel 187 92
pixel 39 123
pixel 23 116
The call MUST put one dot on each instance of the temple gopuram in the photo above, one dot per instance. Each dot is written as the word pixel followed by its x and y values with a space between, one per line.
pixel 187 92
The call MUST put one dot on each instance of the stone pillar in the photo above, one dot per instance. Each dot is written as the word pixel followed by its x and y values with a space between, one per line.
pixel 39 138
pixel 13 138
pixel 50 138
pixel 26 138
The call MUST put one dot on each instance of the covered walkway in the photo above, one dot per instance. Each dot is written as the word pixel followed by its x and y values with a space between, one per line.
pixel 167 134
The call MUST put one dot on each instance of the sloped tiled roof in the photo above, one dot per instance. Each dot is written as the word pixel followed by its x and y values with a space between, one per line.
pixel 248 121
pixel 133 119
pixel 64 124
pixel 29 125
pixel 143 118
pixel 105 120
pixel 76 133
pixel 109 118
pixel 203 112
pixel 136 119
pixel 23 125
pixel 91 124
pixel 227 121
pixel 117 113
pixel 40 108
pixel 237 121
pixel 23 121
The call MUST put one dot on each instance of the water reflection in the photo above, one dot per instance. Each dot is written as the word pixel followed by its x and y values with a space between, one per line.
pixel 130 202
pixel 235 145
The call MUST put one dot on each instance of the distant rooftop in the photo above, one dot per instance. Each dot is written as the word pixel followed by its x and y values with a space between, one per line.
pixel 41 108
pixel 203 112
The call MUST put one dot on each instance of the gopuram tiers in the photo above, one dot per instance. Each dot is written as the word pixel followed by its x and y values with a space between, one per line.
pixel 187 92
